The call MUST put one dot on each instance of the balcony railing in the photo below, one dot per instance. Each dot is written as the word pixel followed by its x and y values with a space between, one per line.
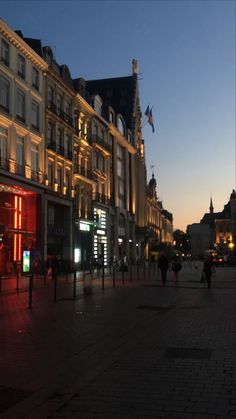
pixel 59 112
pixel 101 142
pixel 101 198
pixel 81 170
pixel 4 164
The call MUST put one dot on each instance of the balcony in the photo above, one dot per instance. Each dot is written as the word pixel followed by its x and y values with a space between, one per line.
pixel 101 198
pixel 5 61
pixel 81 170
pixel 4 164
pixel 19 169
pixel 62 114
pixel 101 142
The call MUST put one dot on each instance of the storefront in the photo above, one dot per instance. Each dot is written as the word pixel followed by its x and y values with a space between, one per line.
pixel 83 244
pixel 19 227
pixel 100 234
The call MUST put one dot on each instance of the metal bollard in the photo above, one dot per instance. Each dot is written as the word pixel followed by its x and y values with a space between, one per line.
pixel 130 273
pixel 123 275
pixel 149 269
pixel 74 285
pixel 55 289
pixel 103 287
pixel 30 290
pixel 114 276
pixel 17 280
pixel 138 271
pixel 144 270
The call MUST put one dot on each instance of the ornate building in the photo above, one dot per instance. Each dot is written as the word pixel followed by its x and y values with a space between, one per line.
pixel 22 142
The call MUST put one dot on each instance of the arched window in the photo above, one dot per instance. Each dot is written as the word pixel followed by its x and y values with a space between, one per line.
pixel 121 125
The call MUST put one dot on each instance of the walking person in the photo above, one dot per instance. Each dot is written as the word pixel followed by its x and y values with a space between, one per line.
pixel 207 269
pixel 163 265
pixel 176 267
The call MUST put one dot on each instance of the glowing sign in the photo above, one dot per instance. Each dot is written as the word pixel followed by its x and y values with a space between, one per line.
pixel 26 261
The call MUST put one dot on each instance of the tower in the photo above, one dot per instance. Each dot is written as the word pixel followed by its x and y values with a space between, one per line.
pixel 211 208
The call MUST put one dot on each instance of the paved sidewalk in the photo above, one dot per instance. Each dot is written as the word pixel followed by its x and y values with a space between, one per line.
pixel 139 350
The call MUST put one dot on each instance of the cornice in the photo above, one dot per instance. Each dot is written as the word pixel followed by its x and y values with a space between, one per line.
pixel 121 139
pixel 22 46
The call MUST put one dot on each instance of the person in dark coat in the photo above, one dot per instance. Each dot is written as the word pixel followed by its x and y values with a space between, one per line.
pixel 207 269
pixel 163 265
pixel 176 267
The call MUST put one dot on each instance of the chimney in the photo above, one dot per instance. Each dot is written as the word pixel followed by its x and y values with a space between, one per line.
pixel 135 67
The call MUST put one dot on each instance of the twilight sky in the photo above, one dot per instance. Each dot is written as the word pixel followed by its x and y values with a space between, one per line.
pixel 186 55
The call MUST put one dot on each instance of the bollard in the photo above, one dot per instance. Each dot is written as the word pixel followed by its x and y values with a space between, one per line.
pixel 123 274
pixel 103 277
pixel 138 271
pixel 149 269
pixel 74 285
pixel 130 273
pixel 144 270
pixel 114 276
pixel 30 289
pixel 17 280
pixel 55 289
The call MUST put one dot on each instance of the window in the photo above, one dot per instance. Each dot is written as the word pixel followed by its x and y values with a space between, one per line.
pixel 35 78
pixel 34 157
pixel 111 117
pixel 59 103
pixel 67 182
pixel 67 146
pixel 20 105
pixel 35 115
pixel 59 177
pixel 67 108
pixel 50 132
pixel 3 145
pixel 20 155
pixel 50 94
pixel 129 137
pixel 50 172
pixel 59 140
pixel 4 93
pixel 121 175
pixel 5 52
pixel 120 125
pixel 21 66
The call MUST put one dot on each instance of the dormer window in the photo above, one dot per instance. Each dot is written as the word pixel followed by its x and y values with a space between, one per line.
pixel 98 104
pixel 121 125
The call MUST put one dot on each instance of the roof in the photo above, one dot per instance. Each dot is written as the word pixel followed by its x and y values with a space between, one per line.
pixel 115 92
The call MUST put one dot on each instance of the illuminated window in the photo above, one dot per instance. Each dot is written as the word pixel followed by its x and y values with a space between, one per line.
pixel 3 144
pixel 5 52
pixel 34 157
pixel 4 93
pixel 59 177
pixel 21 66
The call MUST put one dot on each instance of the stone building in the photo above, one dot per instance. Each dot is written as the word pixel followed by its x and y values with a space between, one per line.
pixel 226 225
pixel 22 143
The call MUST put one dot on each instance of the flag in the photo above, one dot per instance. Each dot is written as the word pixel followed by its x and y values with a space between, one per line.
pixel 150 120
pixel 148 113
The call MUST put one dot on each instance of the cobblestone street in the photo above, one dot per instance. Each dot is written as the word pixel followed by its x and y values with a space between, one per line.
pixel 139 350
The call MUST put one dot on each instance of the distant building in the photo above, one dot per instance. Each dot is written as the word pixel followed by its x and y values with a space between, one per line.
pixel 226 224
pixel 199 237
pixel 209 219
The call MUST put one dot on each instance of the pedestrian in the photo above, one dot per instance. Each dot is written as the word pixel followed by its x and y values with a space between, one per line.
pixel 176 267
pixel 207 269
pixel 163 265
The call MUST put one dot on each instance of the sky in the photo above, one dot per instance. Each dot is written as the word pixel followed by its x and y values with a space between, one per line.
pixel 186 57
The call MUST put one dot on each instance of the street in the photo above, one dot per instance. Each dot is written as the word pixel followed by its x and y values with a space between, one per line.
pixel 139 350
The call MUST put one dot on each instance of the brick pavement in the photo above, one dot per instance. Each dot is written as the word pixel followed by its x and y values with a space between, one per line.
pixel 103 357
